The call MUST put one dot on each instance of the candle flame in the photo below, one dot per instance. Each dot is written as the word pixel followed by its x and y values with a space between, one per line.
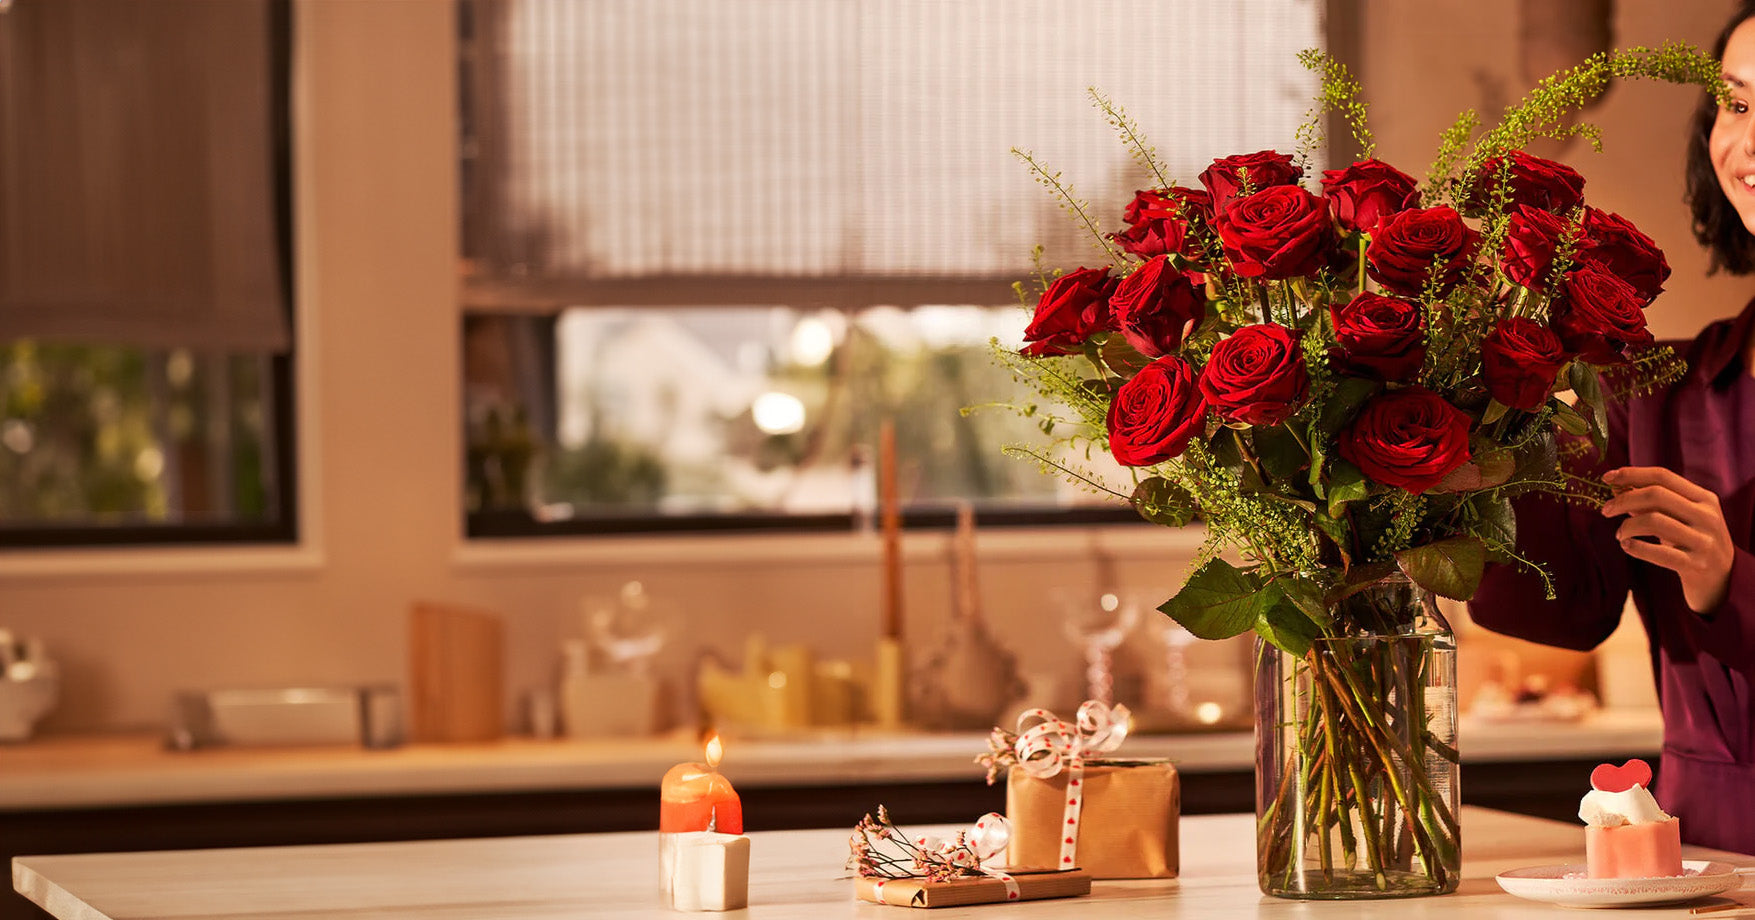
pixel 715 750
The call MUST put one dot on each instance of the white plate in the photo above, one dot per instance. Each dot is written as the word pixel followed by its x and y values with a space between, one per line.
pixel 1568 886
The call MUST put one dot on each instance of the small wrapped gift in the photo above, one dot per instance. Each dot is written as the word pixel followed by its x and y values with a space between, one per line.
pixel 956 892
pixel 894 868
pixel 1116 819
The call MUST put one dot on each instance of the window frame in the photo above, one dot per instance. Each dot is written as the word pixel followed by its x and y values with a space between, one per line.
pixel 281 410
pixel 1341 29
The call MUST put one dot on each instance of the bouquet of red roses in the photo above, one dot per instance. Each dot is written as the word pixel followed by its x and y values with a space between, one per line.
pixel 1347 381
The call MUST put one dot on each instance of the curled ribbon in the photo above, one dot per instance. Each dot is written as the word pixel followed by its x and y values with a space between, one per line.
pixel 1048 744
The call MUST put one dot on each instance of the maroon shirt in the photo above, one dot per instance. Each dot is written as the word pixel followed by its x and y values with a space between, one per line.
pixel 1702 427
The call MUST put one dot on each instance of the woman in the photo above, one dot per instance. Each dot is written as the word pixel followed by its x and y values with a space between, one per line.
pixel 1678 530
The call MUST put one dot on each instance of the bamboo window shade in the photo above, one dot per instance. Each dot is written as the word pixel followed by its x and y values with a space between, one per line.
pixel 698 151
pixel 138 196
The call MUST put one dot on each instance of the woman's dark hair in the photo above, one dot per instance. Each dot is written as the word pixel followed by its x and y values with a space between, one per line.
pixel 1717 225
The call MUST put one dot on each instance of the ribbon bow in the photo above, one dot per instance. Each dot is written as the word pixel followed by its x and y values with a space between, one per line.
pixel 1048 744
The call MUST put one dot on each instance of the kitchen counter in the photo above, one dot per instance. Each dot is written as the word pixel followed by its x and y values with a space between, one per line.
pixel 136 770
pixel 794 875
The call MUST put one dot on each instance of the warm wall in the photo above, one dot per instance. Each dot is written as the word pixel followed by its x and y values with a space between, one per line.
pixel 379 331
pixel 1426 62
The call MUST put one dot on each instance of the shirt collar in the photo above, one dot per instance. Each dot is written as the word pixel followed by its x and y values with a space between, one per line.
pixel 1724 353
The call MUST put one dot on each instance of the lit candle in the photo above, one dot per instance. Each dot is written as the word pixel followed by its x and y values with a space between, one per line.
pixel 703 858
pixel 694 797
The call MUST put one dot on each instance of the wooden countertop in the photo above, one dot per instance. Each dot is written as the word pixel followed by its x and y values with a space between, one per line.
pixel 794 875
pixel 76 772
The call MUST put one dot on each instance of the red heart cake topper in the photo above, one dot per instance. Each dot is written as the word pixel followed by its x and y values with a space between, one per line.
pixel 1610 778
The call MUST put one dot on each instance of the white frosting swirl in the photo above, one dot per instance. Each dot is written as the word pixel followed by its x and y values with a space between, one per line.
pixel 1613 809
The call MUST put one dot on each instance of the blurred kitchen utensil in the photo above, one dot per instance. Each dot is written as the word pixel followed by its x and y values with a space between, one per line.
pixel 30 683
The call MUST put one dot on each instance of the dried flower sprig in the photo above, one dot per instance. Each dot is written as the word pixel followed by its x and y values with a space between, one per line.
pixel 1002 753
pixel 880 849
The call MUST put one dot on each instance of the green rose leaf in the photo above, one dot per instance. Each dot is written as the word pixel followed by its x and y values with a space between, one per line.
pixel 1495 411
pixel 1450 568
pixel 1590 399
pixel 1568 419
pixel 1164 502
pixel 1225 449
pixel 1281 456
pixel 1485 470
pixel 1123 358
pixel 1305 596
pixel 1343 403
pixel 1221 601
pixel 1287 628
pixel 1345 484
pixel 1359 578
pixel 1495 521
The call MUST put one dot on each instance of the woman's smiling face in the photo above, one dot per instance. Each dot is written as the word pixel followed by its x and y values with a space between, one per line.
pixel 1732 145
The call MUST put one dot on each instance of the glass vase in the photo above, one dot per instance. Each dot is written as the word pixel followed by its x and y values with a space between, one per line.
pixel 1356 762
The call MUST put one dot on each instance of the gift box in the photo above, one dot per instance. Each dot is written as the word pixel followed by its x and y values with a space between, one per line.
pixel 956 892
pixel 1124 825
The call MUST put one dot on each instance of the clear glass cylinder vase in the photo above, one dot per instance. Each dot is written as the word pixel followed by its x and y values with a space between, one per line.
pixel 1356 762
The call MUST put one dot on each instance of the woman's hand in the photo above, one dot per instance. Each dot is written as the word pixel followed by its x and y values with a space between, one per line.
pixel 1687 524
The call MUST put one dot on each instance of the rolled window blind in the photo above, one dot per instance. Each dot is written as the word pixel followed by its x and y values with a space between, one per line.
pixel 662 140
pixel 138 196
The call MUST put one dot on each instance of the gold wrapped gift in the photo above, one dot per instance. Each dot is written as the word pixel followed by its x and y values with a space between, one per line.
pixel 1126 824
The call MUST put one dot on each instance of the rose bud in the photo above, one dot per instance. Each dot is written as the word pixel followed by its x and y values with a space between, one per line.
pixel 1256 376
pixel 1368 191
pixel 1075 307
pixel 1612 242
pixel 1379 337
pixel 1600 317
pixel 1535 182
pixel 1532 238
pixel 1520 359
pixel 1265 169
pixel 1156 413
pixel 1276 233
pixel 1419 245
pixel 1408 438
pixel 1154 305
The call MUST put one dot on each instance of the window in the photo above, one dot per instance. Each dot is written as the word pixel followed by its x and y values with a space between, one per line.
pixel 710 248
pixel 145 343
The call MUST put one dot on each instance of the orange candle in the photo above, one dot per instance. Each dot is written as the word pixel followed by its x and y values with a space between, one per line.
pixel 694 797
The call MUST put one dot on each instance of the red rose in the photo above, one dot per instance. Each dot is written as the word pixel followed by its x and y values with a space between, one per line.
pixel 1612 242
pixel 1154 304
pixel 1379 337
pixel 1278 232
pixel 1265 169
pixel 1408 438
pixel 1368 191
pixel 1538 183
pixel 1520 359
pixel 1075 306
pixel 1163 221
pixel 1154 415
pixel 1256 376
pixel 1419 245
pixel 1599 316
pixel 1532 237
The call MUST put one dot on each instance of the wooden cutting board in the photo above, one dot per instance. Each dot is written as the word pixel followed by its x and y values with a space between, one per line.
pixel 457 674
